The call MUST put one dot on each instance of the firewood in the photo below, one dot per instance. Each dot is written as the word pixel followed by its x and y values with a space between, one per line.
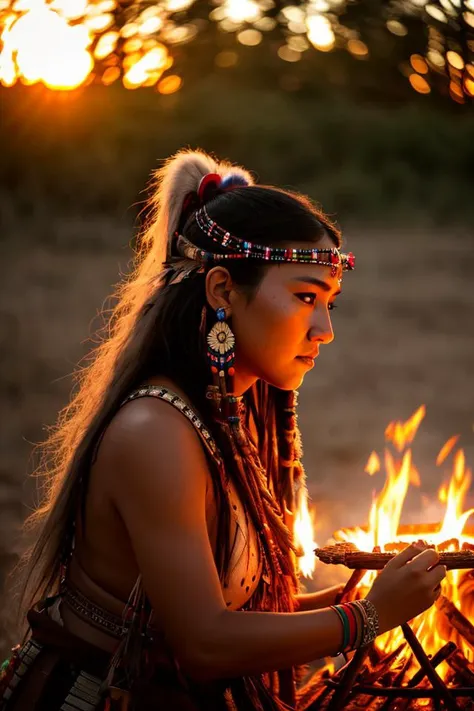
pixel 375 655
pixel 440 656
pixel 347 554
pixel 396 681
pixel 424 662
pixel 456 619
pixel 461 666
pixel 313 694
pixel 382 666
pixel 350 586
pixel 350 673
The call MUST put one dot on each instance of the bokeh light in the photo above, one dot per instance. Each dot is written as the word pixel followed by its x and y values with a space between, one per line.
pixel 67 43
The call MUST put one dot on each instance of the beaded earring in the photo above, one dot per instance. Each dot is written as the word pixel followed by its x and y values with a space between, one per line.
pixel 221 357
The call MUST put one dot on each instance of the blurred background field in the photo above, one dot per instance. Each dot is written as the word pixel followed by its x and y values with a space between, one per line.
pixel 393 167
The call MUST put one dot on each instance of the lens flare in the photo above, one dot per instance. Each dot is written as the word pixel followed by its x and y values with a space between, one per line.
pixel 58 56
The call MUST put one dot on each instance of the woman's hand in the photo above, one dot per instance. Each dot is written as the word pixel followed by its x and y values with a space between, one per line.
pixel 408 585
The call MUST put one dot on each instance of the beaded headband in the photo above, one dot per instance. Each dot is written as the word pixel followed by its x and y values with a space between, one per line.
pixel 242 249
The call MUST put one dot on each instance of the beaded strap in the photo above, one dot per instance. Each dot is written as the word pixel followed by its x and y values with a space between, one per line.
pixel 169 396
pixel 95 615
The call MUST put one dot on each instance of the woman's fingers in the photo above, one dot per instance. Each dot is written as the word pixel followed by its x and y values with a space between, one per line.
pixel 436 575
pixel 406 555
pixel 425 560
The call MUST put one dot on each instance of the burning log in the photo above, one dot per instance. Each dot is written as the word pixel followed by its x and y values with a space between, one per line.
pixel 456 619
pixel 368 703
pixel 350 586
pixel 351 670
pixel 315 691
pixel 348 554
pixel 397 680
pixel 395 547
pixel 439 657
pixel 373 679
pixel 381 665
pixel 461 666
pixel 431 673
pixel 375 655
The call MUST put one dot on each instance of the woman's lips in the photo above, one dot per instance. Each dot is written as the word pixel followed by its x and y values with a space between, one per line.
pixel 307 360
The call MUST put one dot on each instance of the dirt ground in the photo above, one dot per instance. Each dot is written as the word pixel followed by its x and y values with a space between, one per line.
pixel 404 336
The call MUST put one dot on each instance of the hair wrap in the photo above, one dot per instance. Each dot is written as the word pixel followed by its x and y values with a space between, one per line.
pixel 177 266
pixel 208 187
pixel 234 180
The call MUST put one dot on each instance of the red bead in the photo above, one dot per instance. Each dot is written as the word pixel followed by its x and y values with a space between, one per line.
pixel 213 369
pixel 231 371
pixel 351 260
pixel 334 258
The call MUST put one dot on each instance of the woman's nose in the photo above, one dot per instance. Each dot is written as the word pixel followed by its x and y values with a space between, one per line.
pixel 321 329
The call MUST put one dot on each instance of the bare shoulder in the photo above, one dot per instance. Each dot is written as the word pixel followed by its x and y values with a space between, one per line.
pixel 156 471
pixel 150 447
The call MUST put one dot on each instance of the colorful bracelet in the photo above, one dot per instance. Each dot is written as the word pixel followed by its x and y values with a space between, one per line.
pixel 360 623
pixel 342 614
pixel 371 627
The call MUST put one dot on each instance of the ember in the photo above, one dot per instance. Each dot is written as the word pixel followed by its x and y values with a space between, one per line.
pixel 429 663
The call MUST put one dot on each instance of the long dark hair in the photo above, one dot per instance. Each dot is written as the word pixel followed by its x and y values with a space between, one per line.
pixel 156 328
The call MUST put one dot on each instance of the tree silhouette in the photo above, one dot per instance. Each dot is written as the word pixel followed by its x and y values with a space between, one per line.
pixel 427 46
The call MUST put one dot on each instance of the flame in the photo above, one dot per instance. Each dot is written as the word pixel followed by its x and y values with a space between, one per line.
pixel 446 449
pixel 384 530
pixel 303 534
pixel 402 433
pixel 373 464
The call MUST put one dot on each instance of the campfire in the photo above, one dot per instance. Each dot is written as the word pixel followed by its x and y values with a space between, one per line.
pixel 427 663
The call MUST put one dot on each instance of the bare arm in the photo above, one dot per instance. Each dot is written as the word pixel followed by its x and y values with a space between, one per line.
pixel 160 474
pixel 319 599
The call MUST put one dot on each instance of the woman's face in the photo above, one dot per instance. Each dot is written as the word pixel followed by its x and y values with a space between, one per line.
pixel 279 331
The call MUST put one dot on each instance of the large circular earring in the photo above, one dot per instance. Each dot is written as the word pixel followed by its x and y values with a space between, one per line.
pixel 221 357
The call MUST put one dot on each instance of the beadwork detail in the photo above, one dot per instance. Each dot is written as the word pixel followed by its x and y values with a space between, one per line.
pixel 171 397
pixel 236 248
pixel 220 338
pixel 97 616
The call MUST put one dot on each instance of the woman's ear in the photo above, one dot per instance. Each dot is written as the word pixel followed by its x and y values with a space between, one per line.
pixel 219 286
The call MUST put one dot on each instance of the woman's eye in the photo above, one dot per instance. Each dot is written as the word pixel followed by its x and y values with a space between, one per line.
pixel 307 298
pixel 332 306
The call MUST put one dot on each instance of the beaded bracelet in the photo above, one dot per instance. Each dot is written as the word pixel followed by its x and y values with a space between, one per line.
pixel 360 623
pixel 371 626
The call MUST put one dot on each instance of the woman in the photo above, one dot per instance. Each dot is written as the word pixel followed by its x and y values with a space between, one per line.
pixel 165 563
